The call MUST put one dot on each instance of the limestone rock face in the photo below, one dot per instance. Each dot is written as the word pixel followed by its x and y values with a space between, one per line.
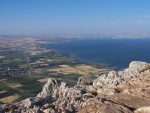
pixel 49 88
pixel 30 102
pixel 56 88
pixel 91 89
pixel 106 91
pixel 143 110
pixel 126 91
pixel 139 66
pixel 100 82
pixel 113 78
pixel 122 77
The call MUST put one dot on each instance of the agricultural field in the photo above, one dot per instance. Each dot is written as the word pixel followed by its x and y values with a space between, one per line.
pixel 17 88
pixel 25 67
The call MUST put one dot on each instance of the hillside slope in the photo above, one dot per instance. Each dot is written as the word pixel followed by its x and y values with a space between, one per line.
pixel 125 91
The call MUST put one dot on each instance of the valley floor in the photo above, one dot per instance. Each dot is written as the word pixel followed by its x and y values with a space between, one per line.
pixel 25 66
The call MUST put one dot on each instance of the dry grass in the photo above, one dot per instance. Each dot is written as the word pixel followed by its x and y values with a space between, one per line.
pixel 66 69
pixel 38 71
pixel 14 85
pixel 43 80
pixel 3 92
pixel 37 62
pixel 49 60
pixel 10 99
pixel 91 69
pixel 45 65
pixel 81 69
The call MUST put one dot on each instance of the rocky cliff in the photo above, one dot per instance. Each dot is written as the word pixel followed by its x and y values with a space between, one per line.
pixel 125 91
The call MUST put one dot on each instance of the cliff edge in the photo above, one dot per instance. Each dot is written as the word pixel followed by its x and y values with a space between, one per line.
pixel 126 91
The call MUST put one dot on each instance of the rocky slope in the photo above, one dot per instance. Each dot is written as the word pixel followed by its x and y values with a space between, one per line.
pixel 125 91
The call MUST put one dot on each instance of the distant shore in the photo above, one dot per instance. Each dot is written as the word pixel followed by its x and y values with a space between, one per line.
pixel 113 53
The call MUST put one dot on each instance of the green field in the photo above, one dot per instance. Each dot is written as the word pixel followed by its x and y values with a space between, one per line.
pixel 30 85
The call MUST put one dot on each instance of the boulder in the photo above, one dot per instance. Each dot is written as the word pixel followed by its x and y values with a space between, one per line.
pixel 100 81
pixel 104 80
pixel 106 91
pixel 85 80
pixel 91 89
pixel 49 110
pixel 30 102
pixel 145 109
pixel 113 78
pixel 56 88
pixel 49 88
pixel 139 66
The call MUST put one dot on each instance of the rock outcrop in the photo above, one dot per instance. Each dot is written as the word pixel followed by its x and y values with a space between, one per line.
pixel 125 91
pixel 143 110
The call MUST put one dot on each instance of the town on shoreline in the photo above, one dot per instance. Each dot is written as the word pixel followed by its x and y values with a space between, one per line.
pixel 25 65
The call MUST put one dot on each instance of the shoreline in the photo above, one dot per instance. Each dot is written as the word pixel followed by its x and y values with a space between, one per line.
pixel 81 60
pixel 115 54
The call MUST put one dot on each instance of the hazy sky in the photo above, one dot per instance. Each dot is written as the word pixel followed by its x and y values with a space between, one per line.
pixel 74 16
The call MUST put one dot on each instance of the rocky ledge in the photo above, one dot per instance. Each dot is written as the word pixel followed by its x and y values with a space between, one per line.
pixel 125 91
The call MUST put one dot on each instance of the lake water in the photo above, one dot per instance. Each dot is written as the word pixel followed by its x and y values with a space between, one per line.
pixel 112 52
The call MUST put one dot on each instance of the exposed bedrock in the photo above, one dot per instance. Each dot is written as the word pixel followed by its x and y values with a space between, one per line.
pixel 126 91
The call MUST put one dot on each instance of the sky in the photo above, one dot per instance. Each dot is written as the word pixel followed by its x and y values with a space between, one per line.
pixel 27 17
